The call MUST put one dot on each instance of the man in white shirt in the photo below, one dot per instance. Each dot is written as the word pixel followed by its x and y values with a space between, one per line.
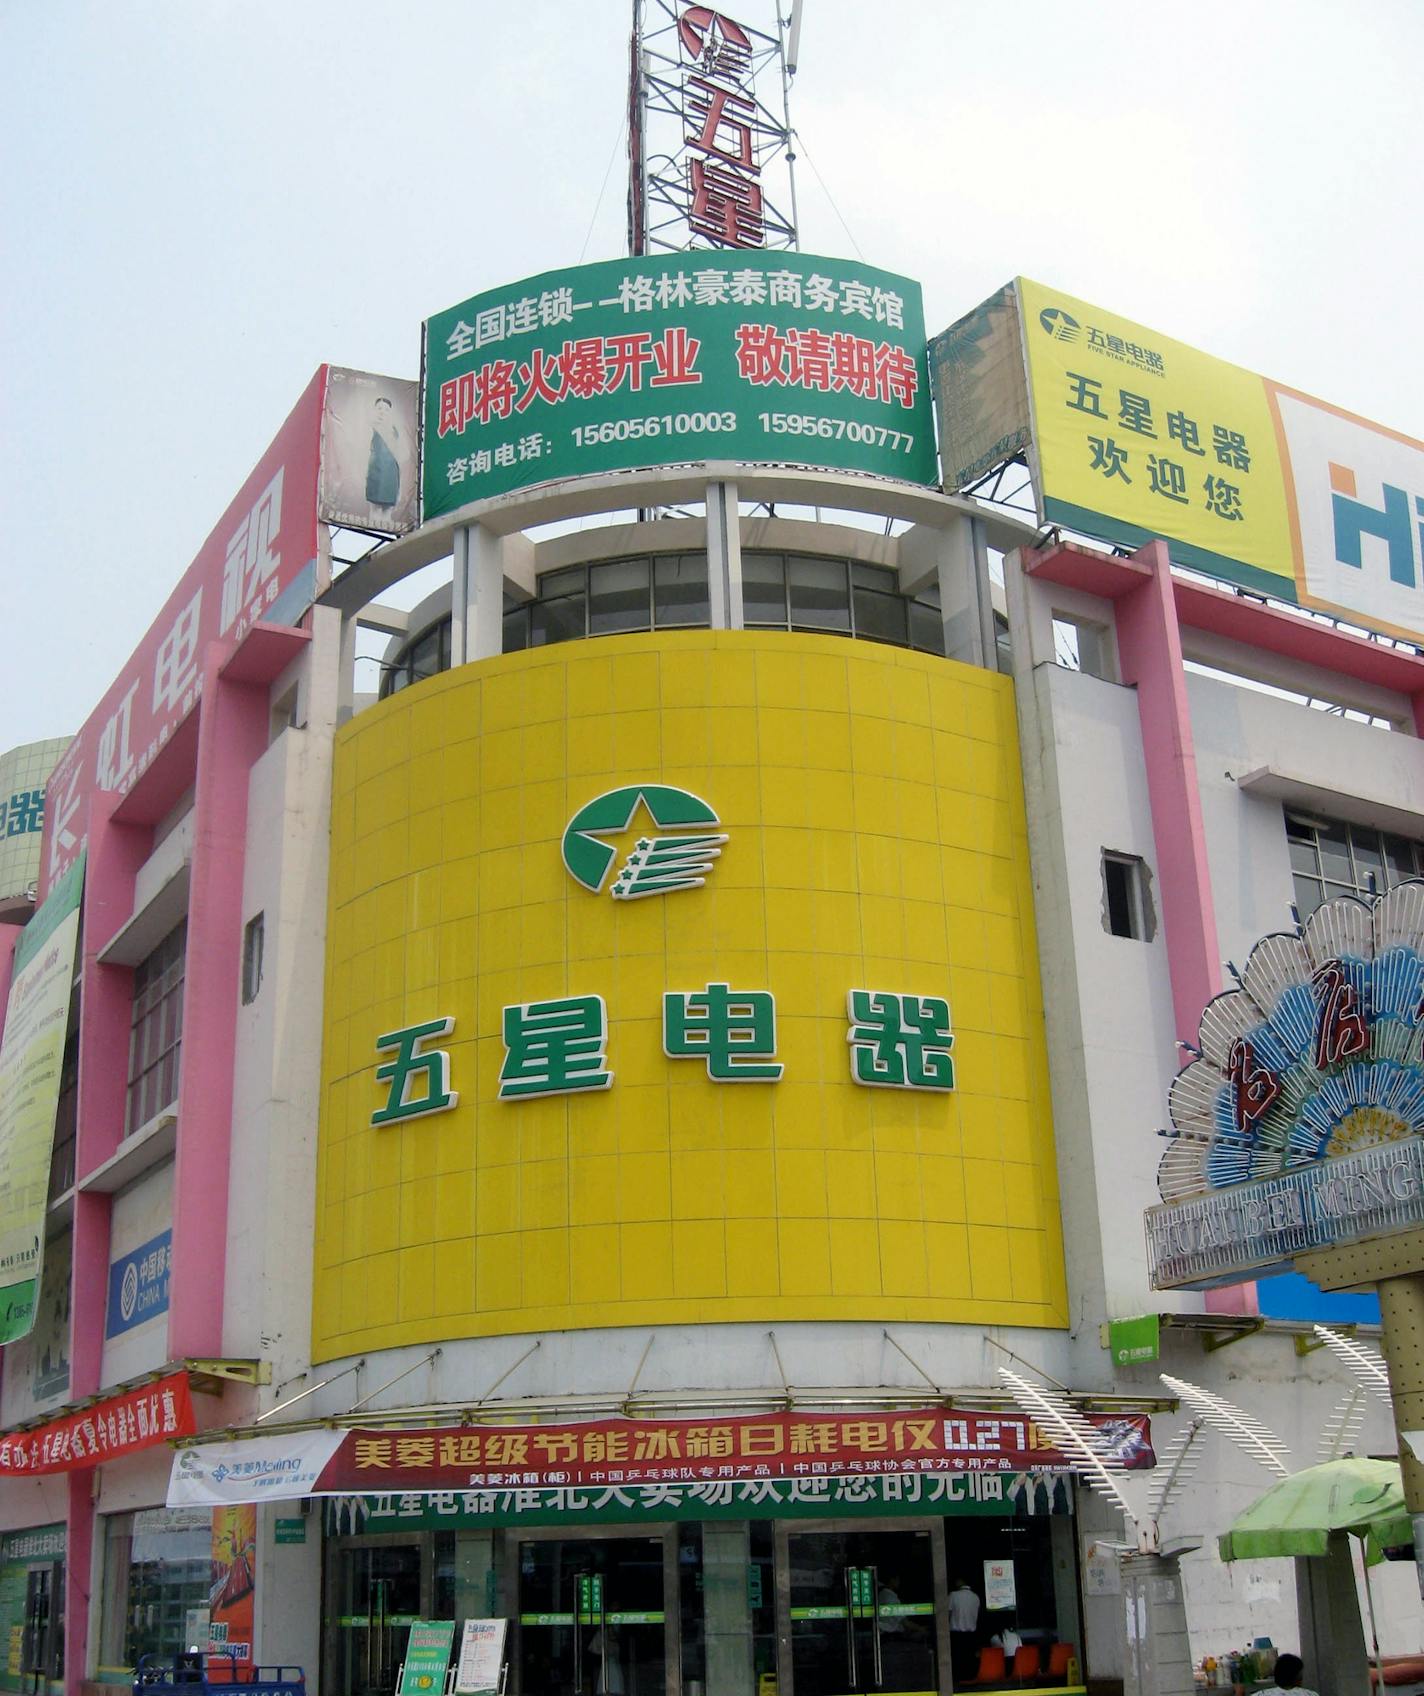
pixel 963 1629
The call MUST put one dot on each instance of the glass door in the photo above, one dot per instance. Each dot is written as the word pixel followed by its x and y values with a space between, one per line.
pixel 593 1619
pixel 42 1639
pixel 377 1602
pixel 862 1611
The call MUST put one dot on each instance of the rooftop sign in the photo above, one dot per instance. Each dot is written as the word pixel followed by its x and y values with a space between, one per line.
pixel 1132 436
pixel 779 358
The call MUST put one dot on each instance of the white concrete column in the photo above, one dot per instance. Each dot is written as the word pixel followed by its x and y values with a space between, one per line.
pixel 724 557
pixel 477 596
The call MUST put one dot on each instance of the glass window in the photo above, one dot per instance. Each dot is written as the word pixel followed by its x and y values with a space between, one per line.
pixel 879 608
pixel 764 589
pixel 680 591
pixel 516 630
pixel 618 597
pixel 158 1568
pixel 927 628
pixel 1329 857
pixel 155 1036
pixel 820 595
pixel 561 612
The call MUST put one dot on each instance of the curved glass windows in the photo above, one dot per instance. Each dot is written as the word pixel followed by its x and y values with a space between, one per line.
pixel 780 591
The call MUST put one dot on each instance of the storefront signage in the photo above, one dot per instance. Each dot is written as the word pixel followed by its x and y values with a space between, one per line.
pixel 1298 1124
pixel 985 1495
pixel 427 1655
pixel 657 864
pixel 896 1041
pixel 119 1425
pixel 477 1672
pixel 1132 1341
pixel 138 1284
pixel 660 360
pixel 634 1451
pixel 45 1543
pixel 263 547
pixel 290 1531
pixel 31 1055
pixel 1256 1228
pixel 1137 436
pixel 257 1469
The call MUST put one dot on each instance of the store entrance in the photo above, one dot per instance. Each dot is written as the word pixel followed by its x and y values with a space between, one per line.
pixel 862 1609
pixel 595 1617
pixel 377 1596
pixel 42 1638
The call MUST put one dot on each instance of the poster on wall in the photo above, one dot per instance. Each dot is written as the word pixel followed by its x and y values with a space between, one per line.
pixel 369 457
pixel 234 1582
pixel 999 1588
pixel 31 1053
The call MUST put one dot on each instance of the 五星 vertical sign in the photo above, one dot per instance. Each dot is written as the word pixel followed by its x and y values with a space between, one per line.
pixel 780 357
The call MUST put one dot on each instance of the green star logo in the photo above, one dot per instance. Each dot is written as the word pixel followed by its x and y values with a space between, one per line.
pixel 658 864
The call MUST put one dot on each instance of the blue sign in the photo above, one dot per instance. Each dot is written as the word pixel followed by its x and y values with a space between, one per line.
pixel 138 1285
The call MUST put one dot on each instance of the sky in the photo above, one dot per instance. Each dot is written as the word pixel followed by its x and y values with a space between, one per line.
pixel 203 200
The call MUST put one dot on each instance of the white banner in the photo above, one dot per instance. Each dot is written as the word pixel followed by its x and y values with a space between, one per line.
pixel 251 1469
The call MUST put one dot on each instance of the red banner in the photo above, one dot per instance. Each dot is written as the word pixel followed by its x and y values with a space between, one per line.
pixel 774 1445
pixel 261 544
pixel 121 1425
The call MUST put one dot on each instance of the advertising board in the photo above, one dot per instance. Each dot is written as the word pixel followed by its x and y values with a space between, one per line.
pixel 31 1052
pixel 780 358
pixel 369 458
pixel 589 1454
pixel 1137 436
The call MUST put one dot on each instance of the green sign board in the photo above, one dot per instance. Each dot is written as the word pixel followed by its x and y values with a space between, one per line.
pixel 427 1655
pixel 981 1494
pixel 1132 1341
pixel 776 358
pixel 291 1531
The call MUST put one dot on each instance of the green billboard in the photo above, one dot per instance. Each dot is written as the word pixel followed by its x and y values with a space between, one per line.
pixel 775 358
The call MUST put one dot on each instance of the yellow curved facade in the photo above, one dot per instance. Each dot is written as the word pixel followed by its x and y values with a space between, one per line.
pixel 872 803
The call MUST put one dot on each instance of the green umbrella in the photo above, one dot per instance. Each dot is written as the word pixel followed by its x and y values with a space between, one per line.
pixel 1297 1515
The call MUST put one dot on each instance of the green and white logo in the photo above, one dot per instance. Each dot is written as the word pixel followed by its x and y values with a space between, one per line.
pixel 658 864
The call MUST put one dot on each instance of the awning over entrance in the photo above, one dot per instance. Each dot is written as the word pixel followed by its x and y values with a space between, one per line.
pixel 620 1452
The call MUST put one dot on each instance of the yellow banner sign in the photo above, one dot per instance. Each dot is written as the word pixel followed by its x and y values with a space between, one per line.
pixel 1141 437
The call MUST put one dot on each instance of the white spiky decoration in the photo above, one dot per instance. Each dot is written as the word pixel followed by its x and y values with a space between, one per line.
pixel 1093 1450
pixel 1340 1434
pixel 1234 1423
pixel 1365 1363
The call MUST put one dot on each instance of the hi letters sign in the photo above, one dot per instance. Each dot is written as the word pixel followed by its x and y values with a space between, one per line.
pixel 664 360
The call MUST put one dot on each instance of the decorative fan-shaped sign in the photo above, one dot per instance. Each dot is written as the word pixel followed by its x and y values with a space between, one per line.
pixel 1319 1052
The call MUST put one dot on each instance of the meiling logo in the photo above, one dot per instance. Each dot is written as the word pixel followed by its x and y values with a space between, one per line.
pixel 1392 522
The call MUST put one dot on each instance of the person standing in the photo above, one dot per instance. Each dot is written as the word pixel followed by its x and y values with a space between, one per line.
pixel 963 1629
